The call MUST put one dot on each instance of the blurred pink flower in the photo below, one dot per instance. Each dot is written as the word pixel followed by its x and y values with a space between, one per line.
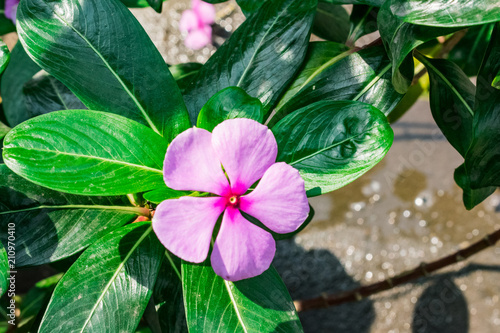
pixel 196 22
pixel 11 9
pixel 247 151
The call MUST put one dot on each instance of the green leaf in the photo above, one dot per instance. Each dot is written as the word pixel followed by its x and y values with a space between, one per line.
pixel 164 193
pixel 4 269
pixel 6 24
pixel 371 83
pixel 451 100
pixel 333 142
pixel 400 38
pixel 363 21
pixel 249 6
pixel 443 13
pixel 259 304
pixel 185 70
pixel 109 286
pixel 4 129
pixel 261 56
pixel 44 94
pixel 108 61
pixel 34 302
pixel 4 56
pixel 136 3
pixel 66 223
pixel 20 70
pixel 331 23
pixel 471 197
pixel 482 162
pixel 229 103
pixel 86 152
pixel 156 5
pixel 168 313
pixel 469 51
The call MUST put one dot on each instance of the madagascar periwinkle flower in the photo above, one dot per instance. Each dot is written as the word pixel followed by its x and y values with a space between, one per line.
pixel 198 160
pixel 196 22
pixel 11 9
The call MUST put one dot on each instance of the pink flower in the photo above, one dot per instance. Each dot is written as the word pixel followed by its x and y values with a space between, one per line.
pixel 197 23
pixel 247 151
pixel 11 9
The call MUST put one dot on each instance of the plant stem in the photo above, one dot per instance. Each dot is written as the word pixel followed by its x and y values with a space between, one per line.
pixel 422 270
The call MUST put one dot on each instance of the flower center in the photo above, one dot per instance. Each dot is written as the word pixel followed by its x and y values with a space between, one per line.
pixel 234 201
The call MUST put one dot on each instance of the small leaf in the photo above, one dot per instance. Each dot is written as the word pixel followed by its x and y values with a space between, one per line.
pixel 326 61
pixel 443 13
pixel 86 152
pixel 471 197
pixel 72 41
pixel 363 21
pixel 44 94
pixel 331 23
pixel 4 129
pixel 66 223
pixel 20 70
pixel 4 269
pixel 164 193
pixel 261 56
pixel 4 56
pixel 156 5
pixel 333 142
pixel 259 304
pixel 229 103
pixel 109 285
pixel 6 24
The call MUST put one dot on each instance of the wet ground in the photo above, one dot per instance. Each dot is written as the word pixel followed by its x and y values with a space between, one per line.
pixel 405 211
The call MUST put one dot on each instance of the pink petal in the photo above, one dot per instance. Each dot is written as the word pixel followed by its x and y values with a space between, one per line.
pixel 246 150
pixel 11 9
pixel 189 21
pixel 204 11
pixel 242 250
pixel 199 38
pixel 279 201
pixel 185 226
pixel 192 165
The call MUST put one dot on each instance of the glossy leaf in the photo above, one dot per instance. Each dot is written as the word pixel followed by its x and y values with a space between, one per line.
pixel 331 23
pixel 331 75
pixel 156 5
pixel 4 56
pixel 363 21
pixel 108 61
pixel 471 197
pixel 443 13
pixel 229 103
pixel 451 100
pixel 65 223
pixel 4 129
pixel 482 162
pixel 261 56
pixel 469 51
pixel 44 94
pixel 117 272
pixel 169 314
pixel 184 70
pixel 259 304
pixel 400 38
pixel 20 70
pixel 86 152
pixel 333 142
pixel 164 193
pixel 4 269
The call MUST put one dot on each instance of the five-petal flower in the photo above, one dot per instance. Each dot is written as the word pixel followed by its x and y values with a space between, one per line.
pixel 196 22
pixel 196 160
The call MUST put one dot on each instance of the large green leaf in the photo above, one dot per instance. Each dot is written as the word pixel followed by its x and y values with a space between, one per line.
pixel 445 13
pixel 332 143
pixel 65 223
pixel 109 286
pixel 400 38
pixel 482 161
pixel 4 56
pixel 259 304
pixel 331 23
pixel 86 152
pixel 331 74
pixel 108 61
pixel 4 269
pixel 44 94
pixel 451 100
pixel 229 103
pixel 260 57
pixel 471 197
pixel 20 70
pixel 469 51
